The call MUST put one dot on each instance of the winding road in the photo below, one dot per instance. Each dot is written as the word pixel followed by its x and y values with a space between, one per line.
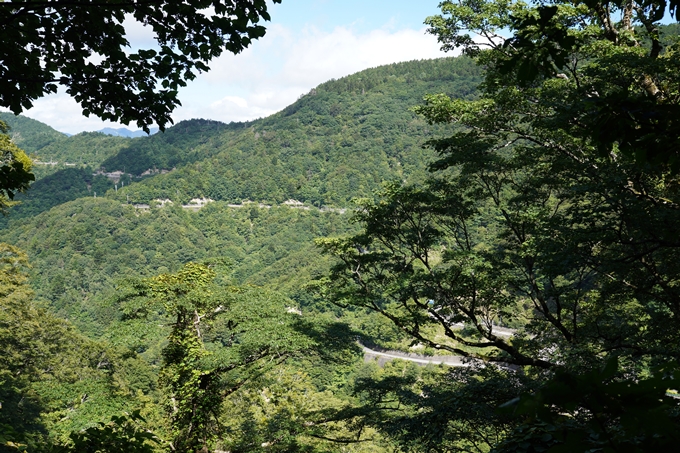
pixel 383 357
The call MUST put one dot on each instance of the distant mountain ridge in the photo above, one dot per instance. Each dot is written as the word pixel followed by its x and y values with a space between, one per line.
pixel 124 132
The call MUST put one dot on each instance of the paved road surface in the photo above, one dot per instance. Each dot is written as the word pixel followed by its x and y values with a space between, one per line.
pixel 451 360
pixel 383 357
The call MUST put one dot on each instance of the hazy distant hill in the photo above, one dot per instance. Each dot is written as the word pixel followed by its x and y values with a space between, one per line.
pixel 125 132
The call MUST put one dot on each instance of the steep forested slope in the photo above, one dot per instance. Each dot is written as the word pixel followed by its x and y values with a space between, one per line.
pixel 65 168
pixel 29 134
pixel 341 140
pixel 81 249
pixel 84 149
pixel 54 151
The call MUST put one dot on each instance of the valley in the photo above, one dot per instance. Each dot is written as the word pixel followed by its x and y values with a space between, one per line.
pixel 474 254
pixel 103 214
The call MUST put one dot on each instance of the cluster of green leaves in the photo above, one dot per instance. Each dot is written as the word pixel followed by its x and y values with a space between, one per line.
pixel 435 408
pixel 15 169
pixel 53 380
pixel 230 345
pixel 192 379
pixel 595 410
pixel 124 433
pixel 55 40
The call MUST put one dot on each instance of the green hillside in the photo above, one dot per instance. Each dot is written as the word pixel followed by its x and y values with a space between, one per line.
pixel 53 151
pixel 81 249
pixel 56 188
pixel 29 134
pixel 430 256
pixel 85 149
pixel 341 140
pixel 185 142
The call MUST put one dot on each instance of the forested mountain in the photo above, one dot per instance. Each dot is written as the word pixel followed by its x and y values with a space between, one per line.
pixel 341 140
pixel 91 228
pixel 29 134
pixel 80 250
pixel 223 287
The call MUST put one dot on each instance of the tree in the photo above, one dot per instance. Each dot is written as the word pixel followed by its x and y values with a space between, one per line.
pixel 124 433
pixel 47 369
pixel 619 91
pixel 82 45
pixel 15 169
pixel 19 410
pixel 552 208
pixel 220 340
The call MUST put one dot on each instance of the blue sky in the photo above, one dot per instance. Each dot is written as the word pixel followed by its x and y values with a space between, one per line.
pixel 307 43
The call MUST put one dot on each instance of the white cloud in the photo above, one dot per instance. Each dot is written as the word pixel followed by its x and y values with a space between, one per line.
pixel 64 114
pixel 285 64
pixel 268 76
pixel 139 36
pixel 342 52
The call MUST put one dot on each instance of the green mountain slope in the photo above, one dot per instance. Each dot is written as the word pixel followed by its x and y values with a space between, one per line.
pixel 342 140
pixel 29 134
pixel 54 189
pixel 181 144
pixel 84 149
pixel 339 141
pixel 65 169
pixel 81 249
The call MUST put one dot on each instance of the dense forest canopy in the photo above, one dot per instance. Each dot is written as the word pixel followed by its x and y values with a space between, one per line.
pixel 165 293
pixel 552 209
pixel 88 242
